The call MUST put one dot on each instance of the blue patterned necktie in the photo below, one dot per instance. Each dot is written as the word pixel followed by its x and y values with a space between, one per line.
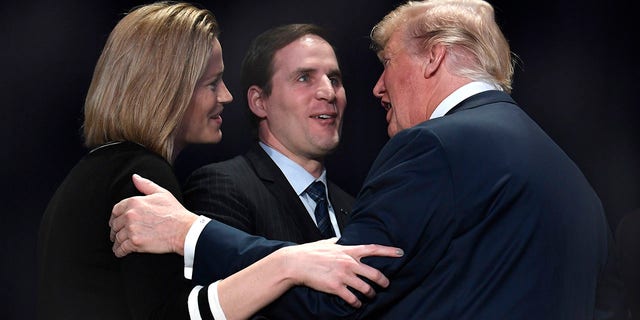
pixel 317 192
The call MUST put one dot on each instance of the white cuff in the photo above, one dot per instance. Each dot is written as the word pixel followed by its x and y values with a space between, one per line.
pixel 192 303
pixel 190 245
pixel 214 302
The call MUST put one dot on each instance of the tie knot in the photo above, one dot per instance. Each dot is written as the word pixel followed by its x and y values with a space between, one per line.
pixel 316 191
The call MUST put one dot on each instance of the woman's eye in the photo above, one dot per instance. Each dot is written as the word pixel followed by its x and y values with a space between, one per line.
pixel 213 85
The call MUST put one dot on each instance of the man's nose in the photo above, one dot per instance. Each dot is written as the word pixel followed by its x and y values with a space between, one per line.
pixel 326 91
pixel 379 89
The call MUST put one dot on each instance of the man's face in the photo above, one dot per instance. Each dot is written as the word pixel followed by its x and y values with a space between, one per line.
pixel 401 86
pixel 305 108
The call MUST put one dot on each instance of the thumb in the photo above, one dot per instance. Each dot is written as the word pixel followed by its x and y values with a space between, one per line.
pixel 146 186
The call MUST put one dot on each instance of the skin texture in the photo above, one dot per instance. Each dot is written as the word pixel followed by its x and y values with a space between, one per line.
pixel 412 84
pixel 321 265
pixel 304 117
pixel 202 121
pixel 303 113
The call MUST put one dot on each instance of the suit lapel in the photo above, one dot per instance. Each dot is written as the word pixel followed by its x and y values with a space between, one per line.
pixel 275 181
pixel 341 206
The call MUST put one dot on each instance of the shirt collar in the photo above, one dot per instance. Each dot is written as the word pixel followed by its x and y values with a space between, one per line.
pixel 459 95
pixel 298 177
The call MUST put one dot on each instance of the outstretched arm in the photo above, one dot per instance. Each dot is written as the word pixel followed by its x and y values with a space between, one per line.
pixel 158 223
pixel 321 265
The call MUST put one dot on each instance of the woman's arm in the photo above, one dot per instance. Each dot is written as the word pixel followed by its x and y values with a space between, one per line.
pixel 158 223
pixel 321 265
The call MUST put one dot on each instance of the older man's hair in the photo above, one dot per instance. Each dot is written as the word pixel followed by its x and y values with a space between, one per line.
pixel 476 47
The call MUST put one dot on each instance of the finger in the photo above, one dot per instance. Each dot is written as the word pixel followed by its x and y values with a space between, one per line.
pixel 147 186
pixel 348 296
pixel 116 248
pixel 367 250
pixel 116 223
pixel 118 209
pixel 361 286
pixel 115 238
pixel 118 251
pixel 372 274
pixel 122 249
pixel 120 237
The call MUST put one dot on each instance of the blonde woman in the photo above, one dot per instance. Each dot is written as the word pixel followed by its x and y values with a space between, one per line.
pixel 158 87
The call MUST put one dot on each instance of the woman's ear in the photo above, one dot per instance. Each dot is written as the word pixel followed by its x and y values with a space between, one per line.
pixel 434 59
pixel 256 101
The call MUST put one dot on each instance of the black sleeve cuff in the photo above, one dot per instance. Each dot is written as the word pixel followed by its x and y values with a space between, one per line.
pixel 203 304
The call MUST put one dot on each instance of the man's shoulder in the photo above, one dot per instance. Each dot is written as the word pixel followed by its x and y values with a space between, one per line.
pixel 217 172
pixel 334 188
pixel 235 163
pixel 244 163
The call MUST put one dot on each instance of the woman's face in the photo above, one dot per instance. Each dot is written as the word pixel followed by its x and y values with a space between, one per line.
pixel 202 120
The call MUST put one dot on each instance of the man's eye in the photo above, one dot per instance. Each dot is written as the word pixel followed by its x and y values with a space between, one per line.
pixel 336 81
pixel 303 78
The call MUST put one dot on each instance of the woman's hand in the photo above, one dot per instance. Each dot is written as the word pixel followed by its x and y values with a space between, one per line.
pixel 331 268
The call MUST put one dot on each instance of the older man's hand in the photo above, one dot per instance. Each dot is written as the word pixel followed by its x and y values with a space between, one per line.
pixel 154 223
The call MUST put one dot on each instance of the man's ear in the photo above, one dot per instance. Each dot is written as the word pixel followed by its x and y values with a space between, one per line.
pixel 256 101
pixel 434 59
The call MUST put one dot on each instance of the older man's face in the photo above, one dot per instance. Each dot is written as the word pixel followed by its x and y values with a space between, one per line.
pixel 401 87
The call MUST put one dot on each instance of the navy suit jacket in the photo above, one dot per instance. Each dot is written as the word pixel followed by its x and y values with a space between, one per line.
pixel 495 220
pixel 249 192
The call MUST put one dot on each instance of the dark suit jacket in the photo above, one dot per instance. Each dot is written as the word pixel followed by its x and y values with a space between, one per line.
pixel 249 192
pixel 496 222
pixel 79 276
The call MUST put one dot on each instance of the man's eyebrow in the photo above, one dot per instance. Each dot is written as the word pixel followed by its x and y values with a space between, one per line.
pixel 335 73
pixel 304 70
pixel 331 73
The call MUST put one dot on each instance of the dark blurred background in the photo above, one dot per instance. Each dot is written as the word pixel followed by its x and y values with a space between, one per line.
pixel 575 77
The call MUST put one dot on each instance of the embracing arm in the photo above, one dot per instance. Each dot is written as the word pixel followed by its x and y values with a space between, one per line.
pixel 403 203
pixel 323 265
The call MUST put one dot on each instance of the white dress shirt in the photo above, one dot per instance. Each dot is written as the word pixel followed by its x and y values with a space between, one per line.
pixel 459 95
pixel 299 179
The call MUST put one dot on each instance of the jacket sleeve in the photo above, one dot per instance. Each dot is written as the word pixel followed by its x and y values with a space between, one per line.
pixel 222 250
pixel 397 206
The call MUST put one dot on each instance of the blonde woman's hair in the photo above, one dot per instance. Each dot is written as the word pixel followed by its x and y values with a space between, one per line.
pixel 467 28
pixel 146 75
